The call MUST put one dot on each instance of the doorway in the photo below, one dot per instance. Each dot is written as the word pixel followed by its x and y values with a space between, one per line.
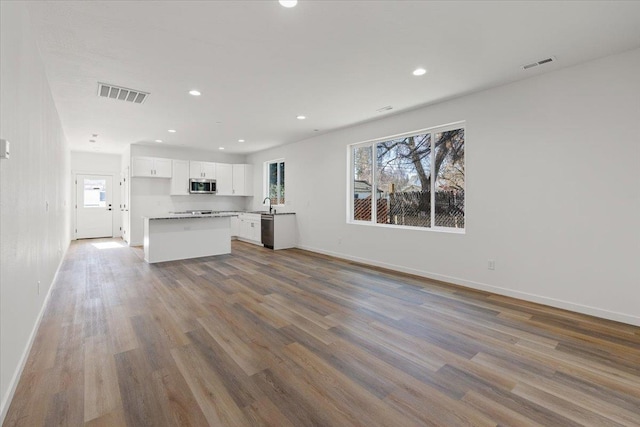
pixel 94 211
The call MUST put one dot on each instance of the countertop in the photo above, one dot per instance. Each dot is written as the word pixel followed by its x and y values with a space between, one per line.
pixel 273 213
pixel 183 216
pixel 213 215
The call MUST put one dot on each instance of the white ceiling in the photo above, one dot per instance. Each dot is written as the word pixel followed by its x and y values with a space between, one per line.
pixel 259 65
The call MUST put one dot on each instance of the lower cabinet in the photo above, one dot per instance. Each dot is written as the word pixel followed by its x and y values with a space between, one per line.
pixel 249 228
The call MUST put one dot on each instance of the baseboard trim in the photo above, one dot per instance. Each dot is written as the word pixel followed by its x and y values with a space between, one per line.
pixel 8 397
pixel 552 302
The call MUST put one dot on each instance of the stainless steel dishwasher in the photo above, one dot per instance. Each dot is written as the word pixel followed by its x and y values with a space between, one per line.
pixel 266 224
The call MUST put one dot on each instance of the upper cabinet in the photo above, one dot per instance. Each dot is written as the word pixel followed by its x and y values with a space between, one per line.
pixel 242 180
pixel 234 180
pixel 202 170
pixel 231 180
pixel 180 178
pixel 224 179
pixel 152 167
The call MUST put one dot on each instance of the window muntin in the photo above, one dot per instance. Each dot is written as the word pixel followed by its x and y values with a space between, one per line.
pixel 405 193
pixel 274 181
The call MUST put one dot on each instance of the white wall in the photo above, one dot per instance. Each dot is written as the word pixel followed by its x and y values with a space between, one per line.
pixel 33 236
pixel 150 196
pixel 553 191
pixel 100 164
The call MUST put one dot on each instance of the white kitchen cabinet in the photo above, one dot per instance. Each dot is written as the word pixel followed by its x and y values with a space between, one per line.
pixel 234 180
pixel 249 230
pixel 150 167
pixel 242 180
pixel 284 231
pixel 179 178
pixel 224 179
pixel 202 170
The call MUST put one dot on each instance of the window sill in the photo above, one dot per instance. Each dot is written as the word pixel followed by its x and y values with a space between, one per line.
pixel 407 227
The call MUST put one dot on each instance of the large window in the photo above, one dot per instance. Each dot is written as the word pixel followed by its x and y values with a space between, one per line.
pixel 413 180
pixel 274 181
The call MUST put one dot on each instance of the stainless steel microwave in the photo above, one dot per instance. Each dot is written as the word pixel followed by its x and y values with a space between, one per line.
pixel 202 186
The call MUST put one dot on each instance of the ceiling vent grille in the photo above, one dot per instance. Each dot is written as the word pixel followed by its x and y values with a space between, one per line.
pixel 541 62
pixel 106 90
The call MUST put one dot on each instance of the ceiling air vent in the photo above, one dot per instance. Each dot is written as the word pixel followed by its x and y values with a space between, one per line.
pixel 106 90
pixel 541 62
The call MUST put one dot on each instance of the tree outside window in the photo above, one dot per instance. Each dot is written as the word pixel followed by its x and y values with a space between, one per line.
pixel 405 193
pixel 275 182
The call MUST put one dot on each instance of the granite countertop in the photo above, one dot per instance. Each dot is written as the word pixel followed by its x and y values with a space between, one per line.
pixel 272 213
pixel 212 215
pixel 183 216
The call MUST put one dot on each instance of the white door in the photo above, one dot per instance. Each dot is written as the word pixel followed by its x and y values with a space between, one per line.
pixel 124 206
pixel 94 212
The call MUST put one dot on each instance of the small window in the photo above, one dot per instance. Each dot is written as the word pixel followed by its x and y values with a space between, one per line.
pixel 274 182
pixel 95 193
pixel 412 180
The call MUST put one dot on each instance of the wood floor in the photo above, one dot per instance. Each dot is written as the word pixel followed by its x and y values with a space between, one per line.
pixel 291 338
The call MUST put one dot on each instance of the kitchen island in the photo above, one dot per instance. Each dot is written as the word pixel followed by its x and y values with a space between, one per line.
pixel 174 237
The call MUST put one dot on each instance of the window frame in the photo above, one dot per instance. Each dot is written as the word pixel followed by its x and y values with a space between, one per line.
pixel 265 178
pixel 372 143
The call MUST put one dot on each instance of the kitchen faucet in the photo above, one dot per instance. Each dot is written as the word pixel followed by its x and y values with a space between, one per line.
pixel 269 199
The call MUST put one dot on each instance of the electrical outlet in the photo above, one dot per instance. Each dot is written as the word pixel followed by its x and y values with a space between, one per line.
pixel 38 287
pixel 491 264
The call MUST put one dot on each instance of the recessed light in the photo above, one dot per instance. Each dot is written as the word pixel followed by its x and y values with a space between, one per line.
pixel 419 72
pixel 301 117
pixel 158 140
pixel 241 140
pixel 194 92
pixel 221 148
pixel 288 3
pixel 172 130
